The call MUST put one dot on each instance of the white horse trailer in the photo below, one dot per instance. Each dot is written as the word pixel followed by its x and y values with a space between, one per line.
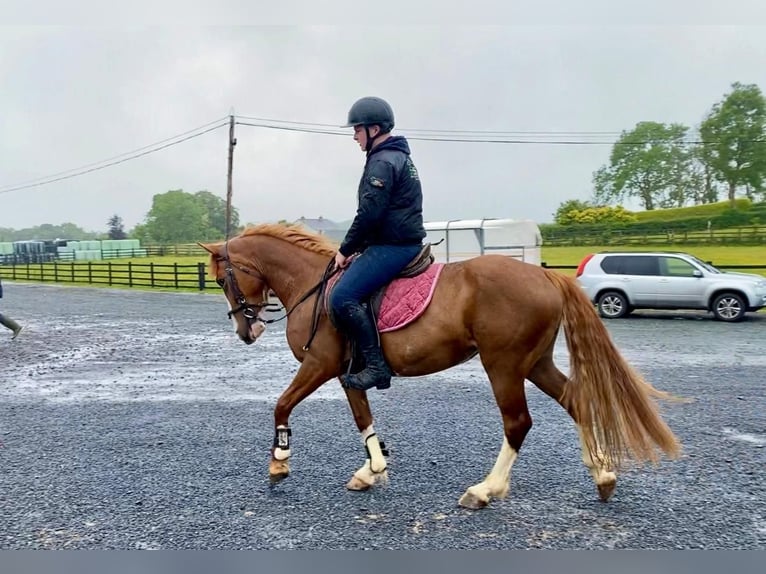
pixel 467 238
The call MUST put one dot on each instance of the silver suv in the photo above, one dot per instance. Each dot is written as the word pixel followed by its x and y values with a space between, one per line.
pixel 619 282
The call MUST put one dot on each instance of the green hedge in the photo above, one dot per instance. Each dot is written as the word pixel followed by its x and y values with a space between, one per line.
pixel 705 210
pixel 723 219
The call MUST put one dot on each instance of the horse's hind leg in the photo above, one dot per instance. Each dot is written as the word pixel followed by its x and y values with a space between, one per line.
pixel 551 381
pixel 373 471
pixel 508 388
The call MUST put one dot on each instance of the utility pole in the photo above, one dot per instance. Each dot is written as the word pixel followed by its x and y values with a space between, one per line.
pixel 232 143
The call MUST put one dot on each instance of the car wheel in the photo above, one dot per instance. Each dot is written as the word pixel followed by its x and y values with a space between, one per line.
pixel 613 305
pixel 729 307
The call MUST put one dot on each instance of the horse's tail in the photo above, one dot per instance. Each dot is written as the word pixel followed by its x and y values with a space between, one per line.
pixel 611 402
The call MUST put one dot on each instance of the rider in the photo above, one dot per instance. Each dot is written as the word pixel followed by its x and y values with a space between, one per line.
pixel 387 231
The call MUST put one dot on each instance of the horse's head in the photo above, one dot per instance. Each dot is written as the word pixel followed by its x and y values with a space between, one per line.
pixel 245 289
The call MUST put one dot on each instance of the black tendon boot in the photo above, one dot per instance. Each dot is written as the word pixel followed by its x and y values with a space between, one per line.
pixel 359 325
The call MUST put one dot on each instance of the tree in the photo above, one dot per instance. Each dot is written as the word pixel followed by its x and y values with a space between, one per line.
pixel 734 139
pixel 116 229
pixel 652 163
pixel 180 217
pixel 216 213
pixel 707 190
pixel 177 217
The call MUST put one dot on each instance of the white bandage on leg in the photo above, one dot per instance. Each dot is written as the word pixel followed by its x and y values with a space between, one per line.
pixel 370 440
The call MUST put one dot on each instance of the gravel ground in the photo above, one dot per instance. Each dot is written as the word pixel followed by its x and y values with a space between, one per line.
pixel 137 420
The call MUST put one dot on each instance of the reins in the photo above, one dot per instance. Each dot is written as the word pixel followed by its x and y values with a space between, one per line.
pixel 247 308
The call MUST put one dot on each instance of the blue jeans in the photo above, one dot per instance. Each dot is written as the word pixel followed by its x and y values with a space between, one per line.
pixel 376 266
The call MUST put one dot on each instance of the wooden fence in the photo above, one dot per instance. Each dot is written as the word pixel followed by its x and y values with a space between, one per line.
pixel 110 273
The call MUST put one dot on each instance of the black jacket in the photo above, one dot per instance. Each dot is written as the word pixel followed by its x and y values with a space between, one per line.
pixel 390 203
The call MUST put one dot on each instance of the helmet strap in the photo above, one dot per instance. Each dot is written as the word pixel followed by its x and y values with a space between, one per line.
pixel 371 140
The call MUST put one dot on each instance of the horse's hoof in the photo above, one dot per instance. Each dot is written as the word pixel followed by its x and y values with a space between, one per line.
pixel 606 489
pixel 470 500
pixel 278 470
pixel 357 485
pixel 278 477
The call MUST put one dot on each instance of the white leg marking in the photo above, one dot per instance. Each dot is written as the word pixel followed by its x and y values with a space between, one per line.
pixel 598 470
pixel 497 482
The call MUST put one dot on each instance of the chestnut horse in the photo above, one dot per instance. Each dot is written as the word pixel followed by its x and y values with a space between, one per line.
pixel 506 311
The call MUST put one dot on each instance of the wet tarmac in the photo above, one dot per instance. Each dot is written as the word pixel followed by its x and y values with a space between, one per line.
pixel 137 420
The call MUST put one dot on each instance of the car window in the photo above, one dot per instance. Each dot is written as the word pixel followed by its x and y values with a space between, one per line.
pixel 675 267
pixel 630 265
pixel 706 265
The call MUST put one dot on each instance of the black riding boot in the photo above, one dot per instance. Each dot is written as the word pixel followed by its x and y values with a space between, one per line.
pixel 359 325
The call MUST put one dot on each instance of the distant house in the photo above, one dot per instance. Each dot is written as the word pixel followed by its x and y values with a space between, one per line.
pixel 334 231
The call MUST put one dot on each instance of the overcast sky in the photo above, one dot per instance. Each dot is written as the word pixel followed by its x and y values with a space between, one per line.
pixel 73 96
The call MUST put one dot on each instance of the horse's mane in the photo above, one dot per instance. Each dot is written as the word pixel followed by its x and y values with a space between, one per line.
pixel 295 234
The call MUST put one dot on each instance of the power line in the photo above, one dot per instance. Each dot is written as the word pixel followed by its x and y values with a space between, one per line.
pixel 272 121
pixel 510 138
pixel 114 160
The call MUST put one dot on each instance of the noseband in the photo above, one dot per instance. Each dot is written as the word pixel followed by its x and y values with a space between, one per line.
pixel 250 310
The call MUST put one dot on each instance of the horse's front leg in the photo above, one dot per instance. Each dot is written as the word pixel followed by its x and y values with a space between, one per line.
pixel 310 376
pixel 374 469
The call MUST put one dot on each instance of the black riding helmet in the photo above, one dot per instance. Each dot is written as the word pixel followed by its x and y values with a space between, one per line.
pixel 371 111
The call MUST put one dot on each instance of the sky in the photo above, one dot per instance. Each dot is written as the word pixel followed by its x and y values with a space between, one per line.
pixel 73 95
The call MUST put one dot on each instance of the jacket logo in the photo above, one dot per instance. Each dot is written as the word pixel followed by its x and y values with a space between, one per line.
pixel 412 169
pixel 375 182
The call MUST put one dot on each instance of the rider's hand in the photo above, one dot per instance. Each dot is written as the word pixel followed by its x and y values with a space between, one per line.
pixel 340 260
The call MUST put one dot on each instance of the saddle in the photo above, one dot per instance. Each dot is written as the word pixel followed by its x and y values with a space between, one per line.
pixel 419 264
pixel 399 302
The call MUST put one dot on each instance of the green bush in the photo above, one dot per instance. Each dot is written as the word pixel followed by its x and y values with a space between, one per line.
pixel 603 214
pixel 704 210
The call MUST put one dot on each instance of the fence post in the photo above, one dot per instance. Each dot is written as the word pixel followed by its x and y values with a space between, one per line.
pixel 109 266
pixel 201 275
pixel 175 273
pixel 56 272
pixel 90 272
pixel 130 274
pixel 151 272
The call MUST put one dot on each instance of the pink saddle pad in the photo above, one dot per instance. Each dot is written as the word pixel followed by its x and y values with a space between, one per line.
pixel 404 299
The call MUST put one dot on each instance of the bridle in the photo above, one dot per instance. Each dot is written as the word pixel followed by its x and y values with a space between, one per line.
pixel 250 310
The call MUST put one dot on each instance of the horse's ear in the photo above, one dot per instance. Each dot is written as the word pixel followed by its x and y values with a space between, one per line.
pixel 212 248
